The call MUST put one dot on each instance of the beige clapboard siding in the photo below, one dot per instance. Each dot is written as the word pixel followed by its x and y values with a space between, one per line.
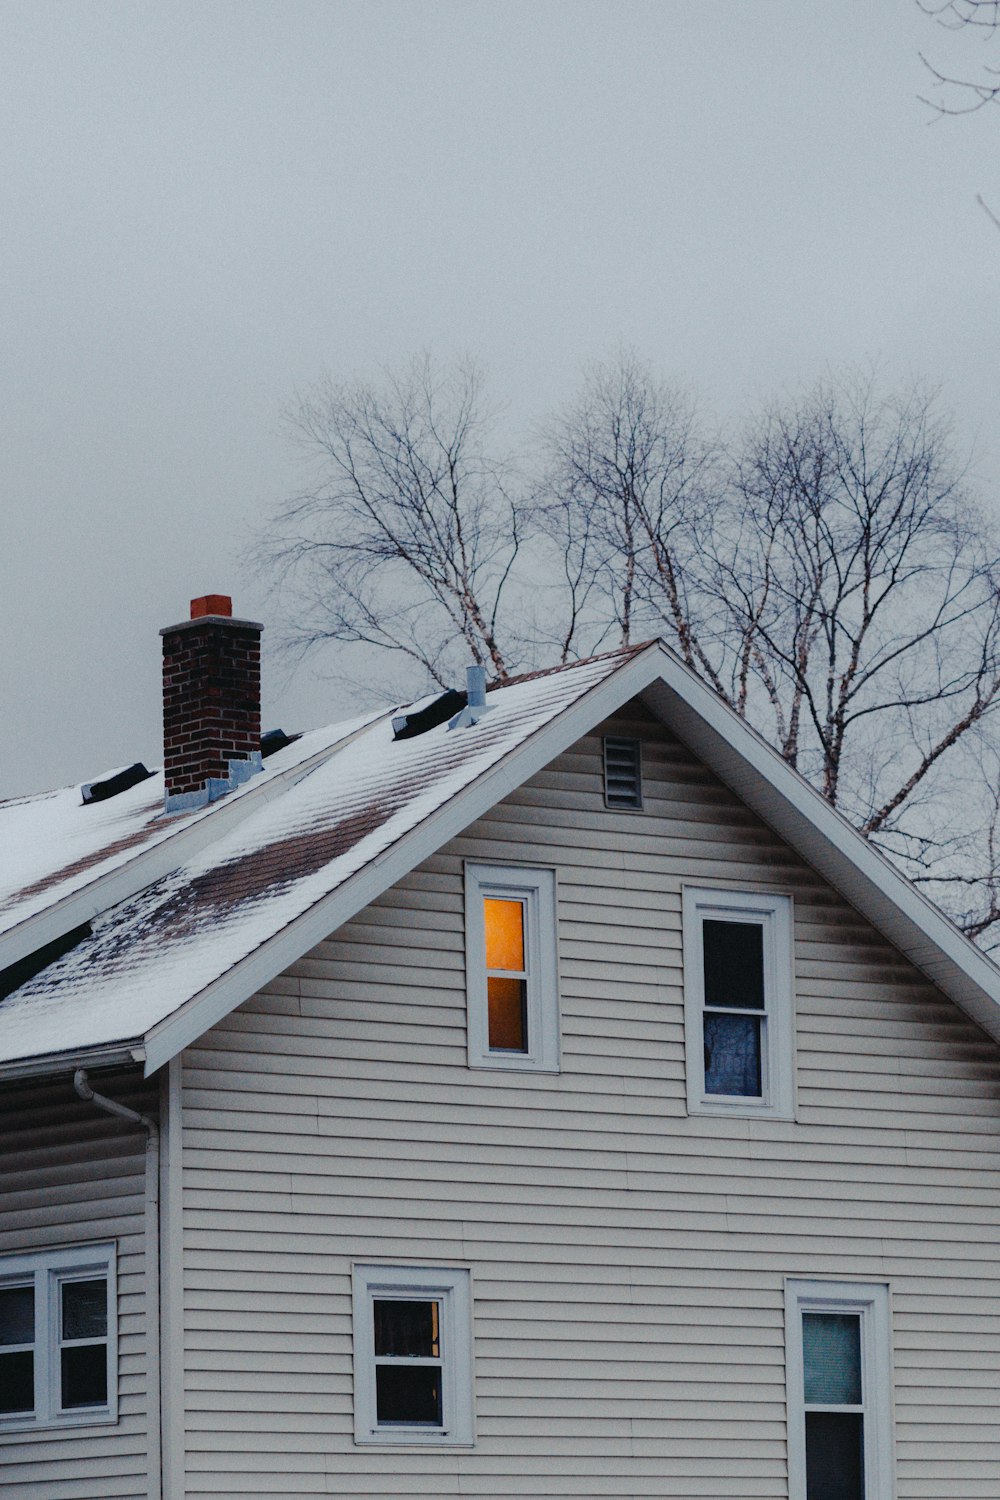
pixel 628 1260
pixel 71 1175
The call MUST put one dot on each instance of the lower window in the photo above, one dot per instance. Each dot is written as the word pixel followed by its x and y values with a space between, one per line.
pixel 57 1337
pixel 839 1391
pixel 412 1355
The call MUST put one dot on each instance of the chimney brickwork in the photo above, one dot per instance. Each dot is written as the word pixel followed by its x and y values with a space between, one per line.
pixel 211 703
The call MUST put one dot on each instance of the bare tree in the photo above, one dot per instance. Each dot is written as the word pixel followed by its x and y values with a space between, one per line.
pixel 864 594
pixel 406 535
pixel 628 482
pixel 828 576
pixel 835 586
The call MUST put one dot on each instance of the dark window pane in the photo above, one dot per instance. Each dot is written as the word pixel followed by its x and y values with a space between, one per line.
pixel 835 1463
pixel 831 1351
pixel 508 1014
pixel 17 1315
pixel 406 1328
pixel 17 1381
pixel 85 1309
pixel 408 1393
pixel 84 1375
pixel 734 964
pixel 732 1055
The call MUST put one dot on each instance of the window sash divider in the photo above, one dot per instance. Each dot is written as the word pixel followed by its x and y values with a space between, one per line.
pixel 759 1012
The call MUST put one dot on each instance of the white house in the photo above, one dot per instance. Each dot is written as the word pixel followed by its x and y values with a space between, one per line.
pixel 550 1097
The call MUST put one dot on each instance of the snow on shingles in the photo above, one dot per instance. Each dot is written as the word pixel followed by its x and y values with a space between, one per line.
pixel 157 950
pixel 51 845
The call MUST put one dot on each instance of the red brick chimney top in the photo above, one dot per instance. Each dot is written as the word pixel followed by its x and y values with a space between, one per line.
pixel 211 604
pixel 211 703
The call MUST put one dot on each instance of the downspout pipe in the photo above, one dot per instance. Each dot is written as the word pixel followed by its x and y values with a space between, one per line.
pixel 152 1264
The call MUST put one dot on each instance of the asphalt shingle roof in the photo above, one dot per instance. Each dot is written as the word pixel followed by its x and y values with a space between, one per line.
pixel 338 801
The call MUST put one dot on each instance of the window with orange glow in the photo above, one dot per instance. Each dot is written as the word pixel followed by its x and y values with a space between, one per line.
pixel 513 1013
pixel 506 975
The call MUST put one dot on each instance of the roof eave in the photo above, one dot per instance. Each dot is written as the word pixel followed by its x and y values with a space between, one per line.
pixel 52 1064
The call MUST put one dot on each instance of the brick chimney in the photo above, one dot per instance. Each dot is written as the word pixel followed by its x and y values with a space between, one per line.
pixel 211 703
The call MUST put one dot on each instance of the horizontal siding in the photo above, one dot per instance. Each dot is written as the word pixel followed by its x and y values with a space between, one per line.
pixel 72 1175
pixel 628 1260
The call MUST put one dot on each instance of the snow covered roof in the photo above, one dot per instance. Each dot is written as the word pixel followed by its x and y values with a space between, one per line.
pixel 177 903
pixel 191 914
pixel 59 853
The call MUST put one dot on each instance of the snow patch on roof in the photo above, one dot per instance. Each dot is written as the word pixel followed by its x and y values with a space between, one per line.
pixel 164 945
pixel 53 845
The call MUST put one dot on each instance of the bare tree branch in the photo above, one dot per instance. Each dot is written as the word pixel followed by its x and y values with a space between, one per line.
pixel 972 94
pixel 827 576
pixel 407 536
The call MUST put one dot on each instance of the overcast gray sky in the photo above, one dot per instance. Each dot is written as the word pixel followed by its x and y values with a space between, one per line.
pixel 209 203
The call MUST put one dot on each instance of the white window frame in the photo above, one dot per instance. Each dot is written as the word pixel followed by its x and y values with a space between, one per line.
pixel 773 913
pixel 536 888
pixel 47 1271
pixel 451 1288
pixel 871 1303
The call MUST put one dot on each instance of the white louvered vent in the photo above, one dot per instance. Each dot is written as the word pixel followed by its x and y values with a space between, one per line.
pixel 622 773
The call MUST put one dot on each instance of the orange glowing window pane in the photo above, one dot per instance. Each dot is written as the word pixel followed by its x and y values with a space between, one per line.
pixel 504 935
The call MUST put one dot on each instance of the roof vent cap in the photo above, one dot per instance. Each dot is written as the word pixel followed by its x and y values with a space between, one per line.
pixel 476 705
pixel 111 786
pixel 417 721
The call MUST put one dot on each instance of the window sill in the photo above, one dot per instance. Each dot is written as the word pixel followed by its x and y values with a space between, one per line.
pixel 740 1109
pixel 414 1440
pixel 512 1065
pixel 102 1418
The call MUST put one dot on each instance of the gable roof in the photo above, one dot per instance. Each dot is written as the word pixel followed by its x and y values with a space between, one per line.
pixel 208 912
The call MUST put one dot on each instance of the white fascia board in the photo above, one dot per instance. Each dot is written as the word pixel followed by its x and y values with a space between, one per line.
pixel 822 836
pixel 149 865
pixel 212 1004
pixel 51 1064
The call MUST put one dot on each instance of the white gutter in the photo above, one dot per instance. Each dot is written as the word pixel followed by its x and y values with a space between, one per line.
pixel 48 1064
pixel 152 1272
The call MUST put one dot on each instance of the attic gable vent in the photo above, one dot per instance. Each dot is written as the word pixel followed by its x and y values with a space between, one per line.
pixel 622 773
